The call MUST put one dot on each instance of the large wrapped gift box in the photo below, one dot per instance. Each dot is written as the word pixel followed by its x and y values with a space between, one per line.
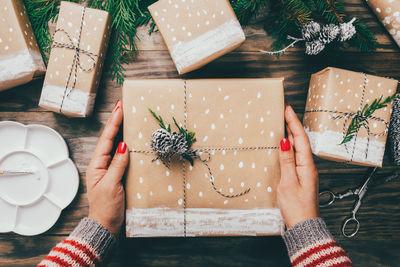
pixel 388 12
pixel 76 60
pixel 197 32
pixel 239 123
pixel 335 98
pixel 20 58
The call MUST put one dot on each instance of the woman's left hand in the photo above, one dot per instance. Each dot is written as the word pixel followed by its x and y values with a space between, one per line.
pixel 106 193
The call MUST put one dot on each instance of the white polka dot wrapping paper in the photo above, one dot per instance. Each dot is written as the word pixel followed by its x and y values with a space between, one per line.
pixel 334 98
pixel 76 60
pixel 388 12
pixel 20 58
pixel 197 32
pixel 228 116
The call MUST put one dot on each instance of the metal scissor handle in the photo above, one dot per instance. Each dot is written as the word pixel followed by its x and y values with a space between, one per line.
pixel 347 223
pixel 331 197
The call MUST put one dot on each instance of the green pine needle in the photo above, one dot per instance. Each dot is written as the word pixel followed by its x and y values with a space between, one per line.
pixel 160 121
pixel 361 118
pixel 40 12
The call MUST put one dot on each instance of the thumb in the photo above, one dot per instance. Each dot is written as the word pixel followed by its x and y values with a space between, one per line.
pixel 287 162
pixel 118 165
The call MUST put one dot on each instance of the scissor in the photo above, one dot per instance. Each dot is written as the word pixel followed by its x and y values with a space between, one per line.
pixel 358 193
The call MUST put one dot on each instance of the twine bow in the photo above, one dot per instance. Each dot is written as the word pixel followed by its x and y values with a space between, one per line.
pixel 76 62
pixel 166 145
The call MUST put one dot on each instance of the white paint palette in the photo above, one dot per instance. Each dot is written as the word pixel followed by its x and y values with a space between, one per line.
pixel 31 203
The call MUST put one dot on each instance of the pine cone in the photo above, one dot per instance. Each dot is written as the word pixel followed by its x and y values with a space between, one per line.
pixel 161 143
pixel 179 143
pixel 329 33
pixel 347 30
pixel 314 47
pixel 311 30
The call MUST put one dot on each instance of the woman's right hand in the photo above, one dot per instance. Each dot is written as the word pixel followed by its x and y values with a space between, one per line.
pixel 298 187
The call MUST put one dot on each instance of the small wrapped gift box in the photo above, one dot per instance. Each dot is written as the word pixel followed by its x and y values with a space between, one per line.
pixel 388 12
pixel 76 60
pixel 231 187
pixel 20 58
pixel 197 32
pixel 348 114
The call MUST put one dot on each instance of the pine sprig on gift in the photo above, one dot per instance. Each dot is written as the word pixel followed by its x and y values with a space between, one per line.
pixel 189 136
pixel 361 117
pixel 160 121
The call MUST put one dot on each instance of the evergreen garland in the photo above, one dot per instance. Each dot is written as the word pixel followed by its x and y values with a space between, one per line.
pixel 40 12
pixel 285 18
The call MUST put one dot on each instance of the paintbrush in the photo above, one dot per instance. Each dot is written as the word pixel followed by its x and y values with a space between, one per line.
pixel 9 173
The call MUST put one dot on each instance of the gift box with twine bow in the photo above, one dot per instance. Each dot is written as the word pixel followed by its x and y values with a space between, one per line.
pixel 20 58
pixel 76 60
pixel 204 156
pixel 348 114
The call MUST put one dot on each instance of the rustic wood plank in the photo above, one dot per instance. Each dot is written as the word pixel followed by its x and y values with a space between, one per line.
pixel 237 251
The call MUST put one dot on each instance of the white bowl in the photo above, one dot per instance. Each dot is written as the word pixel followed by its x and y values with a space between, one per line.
pixel 30 204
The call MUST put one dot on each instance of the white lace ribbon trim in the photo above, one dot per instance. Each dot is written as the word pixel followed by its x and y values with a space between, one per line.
pixel 188 53
pixel 328 142
pixel 17 65
pixel 164 221
pixel 77 102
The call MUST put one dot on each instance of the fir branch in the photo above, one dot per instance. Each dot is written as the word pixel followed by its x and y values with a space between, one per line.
pixel 40 12
pixel 246 9
pixel 189 136
pixel 361 118
pixel 297 11
pixel 126 16
pixel 160 121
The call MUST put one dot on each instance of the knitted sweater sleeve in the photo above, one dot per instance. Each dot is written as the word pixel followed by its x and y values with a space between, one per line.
pixel 89 244
pixel 309 243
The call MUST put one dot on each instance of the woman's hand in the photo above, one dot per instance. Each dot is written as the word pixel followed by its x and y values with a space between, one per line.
pixel 105 191
pixel 298 188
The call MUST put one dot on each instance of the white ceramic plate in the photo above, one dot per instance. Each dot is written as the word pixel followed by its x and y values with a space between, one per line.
pixel 30 204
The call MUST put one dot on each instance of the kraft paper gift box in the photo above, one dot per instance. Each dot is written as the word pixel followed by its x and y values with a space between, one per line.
pixel 388 12
pixel 334 98
pixel 197 32
pixel 20 58
pixel 76 60
pixel 240 122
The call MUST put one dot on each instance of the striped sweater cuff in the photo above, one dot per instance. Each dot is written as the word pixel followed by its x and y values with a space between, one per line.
pixel 309 243
pixel 305 234
pixel 93 234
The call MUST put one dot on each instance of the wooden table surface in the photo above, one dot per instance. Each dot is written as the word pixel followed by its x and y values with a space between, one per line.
pixel 378 241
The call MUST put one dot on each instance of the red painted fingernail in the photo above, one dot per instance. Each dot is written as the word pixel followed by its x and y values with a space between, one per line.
pixel 285 144
pixel 116 107
pixel 121 148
